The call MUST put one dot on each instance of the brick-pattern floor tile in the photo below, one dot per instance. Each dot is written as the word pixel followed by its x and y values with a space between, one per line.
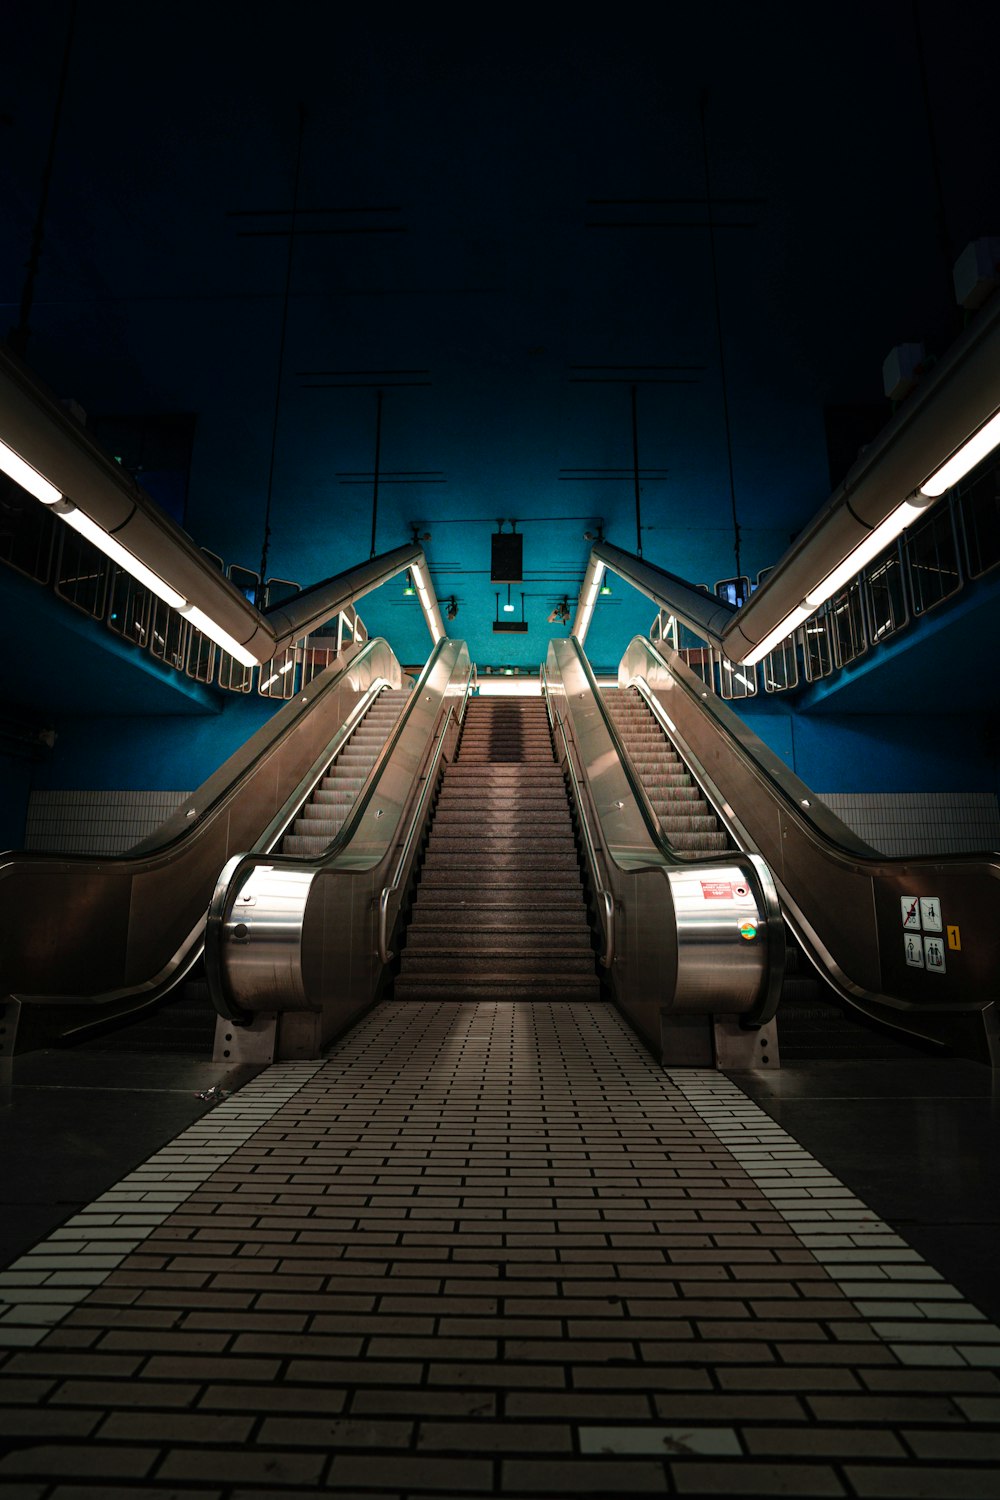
pixel 483 1250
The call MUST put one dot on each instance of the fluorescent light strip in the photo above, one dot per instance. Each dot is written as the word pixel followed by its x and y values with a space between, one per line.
pixel 867 549
pixel 28 478
pixel 590 601
pixel 778 634
pixel 970 454
pixel 208 626
pixel 122 556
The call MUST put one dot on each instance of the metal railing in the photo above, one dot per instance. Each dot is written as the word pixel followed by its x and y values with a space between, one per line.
pixel 954 544
pixel 385 953
pixel 603 895
pixel 34 544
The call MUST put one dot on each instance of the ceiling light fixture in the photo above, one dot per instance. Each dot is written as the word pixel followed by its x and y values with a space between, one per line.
pixel 409 591
pixel 27 477
pixel 126 560
pixel 972 451
pixel 215 632
pixel 868 548
pixel 590 600
pixel 508 608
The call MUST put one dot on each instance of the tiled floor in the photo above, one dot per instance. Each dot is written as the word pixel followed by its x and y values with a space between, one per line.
pixel 489 1249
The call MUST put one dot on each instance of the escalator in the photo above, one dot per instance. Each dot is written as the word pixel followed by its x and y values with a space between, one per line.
pixel 88 939
pixel 908 942
pixel 814 1023
pixel 685 815
pixel 324 813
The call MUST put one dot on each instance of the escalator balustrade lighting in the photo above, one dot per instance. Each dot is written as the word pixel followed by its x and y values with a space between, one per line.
pixel 430 611
pixel 590 601
pixel 208 626
pixel 28 477
pixel 15 467
pixel 875 542
pixel 126 560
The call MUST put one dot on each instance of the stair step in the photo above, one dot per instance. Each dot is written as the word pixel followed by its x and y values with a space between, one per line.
pixel 462 889
pixel 497 964
pixel 474 919
pixel 573 987
pixel 423 954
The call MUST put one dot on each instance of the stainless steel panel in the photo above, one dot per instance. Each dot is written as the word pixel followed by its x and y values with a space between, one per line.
pixel 679 948
pixel 114 931
pixel 300 937
pixel 840 896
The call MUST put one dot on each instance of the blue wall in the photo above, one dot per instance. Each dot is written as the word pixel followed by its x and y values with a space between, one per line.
pixel 880 752
pixel 161 753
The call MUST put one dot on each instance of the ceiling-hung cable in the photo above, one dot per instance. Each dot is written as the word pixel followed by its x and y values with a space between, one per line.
pixel 266 542
pixel 718 331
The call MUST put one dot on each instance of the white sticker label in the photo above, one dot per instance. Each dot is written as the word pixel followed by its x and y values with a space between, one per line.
pixel 911 912
pixel 930 914
pixel 913 950
pixel 934 955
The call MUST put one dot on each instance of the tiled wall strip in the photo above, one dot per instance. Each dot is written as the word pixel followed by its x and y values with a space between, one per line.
pixel 913 823
pixel 82 822
pixel 42 1286
pixel 919 1315
pixel 897 823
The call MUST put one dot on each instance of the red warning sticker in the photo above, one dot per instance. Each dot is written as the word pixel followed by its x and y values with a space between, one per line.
pixel 717 890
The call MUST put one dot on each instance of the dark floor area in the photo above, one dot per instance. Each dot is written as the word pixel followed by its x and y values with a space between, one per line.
pixel 917 1139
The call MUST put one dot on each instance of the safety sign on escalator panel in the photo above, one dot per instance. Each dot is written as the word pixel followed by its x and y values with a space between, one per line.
pixel 923 926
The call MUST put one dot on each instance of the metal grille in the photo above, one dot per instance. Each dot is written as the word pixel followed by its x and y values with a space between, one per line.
pixel 979 508
pixel 200 656
pixel 27 532
pixel 81 574
pixel 886 595
pixel 129 607
pixel 736 682
pixel 847 624
pixel 817 646
pixel 780 669
pixel 278 677
pixel 931 550
pixel 168 635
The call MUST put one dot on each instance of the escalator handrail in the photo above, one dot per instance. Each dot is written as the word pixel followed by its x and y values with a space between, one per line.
pixel 659 839
pixel 846 846
pixel 385 954
pixel 604 896
pixel 297 799
pixel 141 854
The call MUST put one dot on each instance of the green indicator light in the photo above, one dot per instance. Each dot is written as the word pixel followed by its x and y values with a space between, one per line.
pixel 748 930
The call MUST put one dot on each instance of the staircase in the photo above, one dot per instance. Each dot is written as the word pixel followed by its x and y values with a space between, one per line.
pixel 324 815
pixel 500 911
pixel 688 822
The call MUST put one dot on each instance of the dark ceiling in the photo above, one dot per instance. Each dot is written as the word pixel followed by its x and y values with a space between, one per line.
pixel 502 226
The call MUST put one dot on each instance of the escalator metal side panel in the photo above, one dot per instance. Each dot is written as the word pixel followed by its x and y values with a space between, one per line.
pixel 298 938
pixel 88 929
pixel 844 900
pixel 701 937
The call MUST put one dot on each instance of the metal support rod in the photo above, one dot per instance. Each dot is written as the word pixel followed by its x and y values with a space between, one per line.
pixel 635 470
pixel 18 337
pixel 266 541
pixel 378 454
pixel 718 332
pixel 940 211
